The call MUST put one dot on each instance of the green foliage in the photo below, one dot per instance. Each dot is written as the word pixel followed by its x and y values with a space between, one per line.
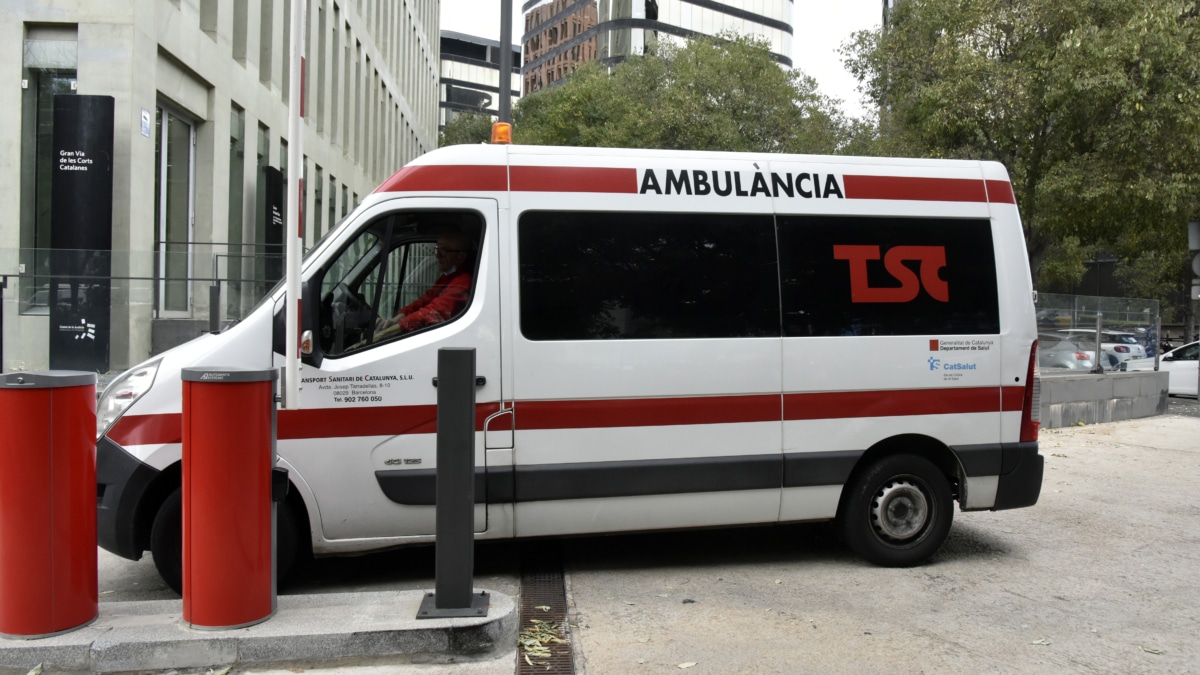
pixel 466 128
pixel 1093 105
pixel 711 94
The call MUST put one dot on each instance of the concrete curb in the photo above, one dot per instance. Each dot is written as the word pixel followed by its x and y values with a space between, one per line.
pixel 314 629
pixel 1073 398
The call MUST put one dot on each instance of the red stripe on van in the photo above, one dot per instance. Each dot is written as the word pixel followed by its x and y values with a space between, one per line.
pixel 573 179
pixel 1000 192
pixel 294 424
pixel 448 178
pixel 1012 398
pixel 646 412
pixel 915 189
pixel 608 413
pixel 894 403
pixel 147 429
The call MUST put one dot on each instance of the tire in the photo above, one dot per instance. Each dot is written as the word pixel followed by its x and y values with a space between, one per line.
pixel 898 512
pixel 166 541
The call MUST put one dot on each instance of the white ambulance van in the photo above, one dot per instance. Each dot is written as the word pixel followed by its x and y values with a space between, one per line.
pixel 663 339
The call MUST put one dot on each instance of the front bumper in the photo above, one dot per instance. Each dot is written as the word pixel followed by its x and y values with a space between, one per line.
pixel 122 482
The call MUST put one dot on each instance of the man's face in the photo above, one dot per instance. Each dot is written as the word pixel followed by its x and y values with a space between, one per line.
pixel 450 253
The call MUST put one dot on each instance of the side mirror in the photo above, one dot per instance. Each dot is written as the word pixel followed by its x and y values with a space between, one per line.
pixel 310 354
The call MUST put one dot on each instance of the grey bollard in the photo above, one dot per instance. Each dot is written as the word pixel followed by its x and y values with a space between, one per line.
pixel 455 555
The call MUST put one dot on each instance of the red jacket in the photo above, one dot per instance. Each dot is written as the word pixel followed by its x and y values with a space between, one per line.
pixel 443 300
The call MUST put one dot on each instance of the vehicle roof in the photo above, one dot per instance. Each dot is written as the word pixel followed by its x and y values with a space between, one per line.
pixel 533 168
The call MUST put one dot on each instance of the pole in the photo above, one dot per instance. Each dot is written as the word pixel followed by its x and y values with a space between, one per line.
pixel 295 214
pixel 455 553
pixel 506 60
pixel 3 285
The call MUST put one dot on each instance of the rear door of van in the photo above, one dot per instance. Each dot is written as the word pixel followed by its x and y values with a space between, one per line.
pixel 891 320
pixel 646 357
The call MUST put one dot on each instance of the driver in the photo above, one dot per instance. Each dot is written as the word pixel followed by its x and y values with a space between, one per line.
pixel 447 296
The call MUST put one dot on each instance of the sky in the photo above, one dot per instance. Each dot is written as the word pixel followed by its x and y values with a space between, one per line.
pixel 820 27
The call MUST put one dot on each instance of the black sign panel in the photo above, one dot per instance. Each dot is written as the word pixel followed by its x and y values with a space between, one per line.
pixel 81 232
pixel 273 203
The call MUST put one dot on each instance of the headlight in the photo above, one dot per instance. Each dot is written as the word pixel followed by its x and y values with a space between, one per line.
pixel 122 392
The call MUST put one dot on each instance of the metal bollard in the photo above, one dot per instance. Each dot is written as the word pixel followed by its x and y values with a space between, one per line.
pixel 455 556
pixel 48 566
pixel 228 510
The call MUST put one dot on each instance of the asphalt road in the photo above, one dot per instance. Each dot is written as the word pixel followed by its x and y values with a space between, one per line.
pixel 1186 406
pixel 1099 576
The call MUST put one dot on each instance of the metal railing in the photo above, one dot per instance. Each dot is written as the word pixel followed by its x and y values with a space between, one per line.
pixel 1110 331
pixel 211 285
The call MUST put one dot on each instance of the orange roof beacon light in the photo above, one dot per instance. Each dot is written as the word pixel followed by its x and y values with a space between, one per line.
pixel 501 133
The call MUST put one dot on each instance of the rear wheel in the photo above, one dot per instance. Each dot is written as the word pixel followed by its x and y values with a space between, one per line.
pixel 166 540
pixel 898 512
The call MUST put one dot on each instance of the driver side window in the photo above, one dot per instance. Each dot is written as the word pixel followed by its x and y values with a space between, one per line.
pixel 393 279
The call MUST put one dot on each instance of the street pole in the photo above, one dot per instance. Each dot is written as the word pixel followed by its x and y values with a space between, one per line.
pixel 506 60
pixel 295 211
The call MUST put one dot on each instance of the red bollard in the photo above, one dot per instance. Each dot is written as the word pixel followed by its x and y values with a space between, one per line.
pixel 48 565
pixel 228 513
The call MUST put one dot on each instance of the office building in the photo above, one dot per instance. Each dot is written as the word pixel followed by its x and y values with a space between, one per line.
pixel 470 76
pixel 560 35
pixel 199 100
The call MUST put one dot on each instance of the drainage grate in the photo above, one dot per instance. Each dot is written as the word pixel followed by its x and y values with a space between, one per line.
pixel 544 598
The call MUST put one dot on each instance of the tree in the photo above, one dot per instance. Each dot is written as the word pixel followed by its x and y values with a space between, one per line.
pixel 1092 105
pixel 466 128
pixel 722 93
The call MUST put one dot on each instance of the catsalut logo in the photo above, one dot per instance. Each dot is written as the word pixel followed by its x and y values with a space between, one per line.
pixel 931 258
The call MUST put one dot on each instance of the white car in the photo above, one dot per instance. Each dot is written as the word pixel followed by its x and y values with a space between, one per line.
pixel 1180 362
pixel 1116 347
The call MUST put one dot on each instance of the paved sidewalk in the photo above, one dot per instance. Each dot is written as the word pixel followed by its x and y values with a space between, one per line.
pixel 356 629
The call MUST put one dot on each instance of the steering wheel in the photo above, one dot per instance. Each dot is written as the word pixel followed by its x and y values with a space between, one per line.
pixel 351 314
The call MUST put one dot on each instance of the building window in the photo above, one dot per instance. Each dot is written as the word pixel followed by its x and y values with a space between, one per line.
pixel 237 182
pixel 175 163
pixel 48 69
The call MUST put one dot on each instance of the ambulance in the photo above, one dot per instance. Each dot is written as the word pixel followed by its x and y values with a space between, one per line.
pixel 663 340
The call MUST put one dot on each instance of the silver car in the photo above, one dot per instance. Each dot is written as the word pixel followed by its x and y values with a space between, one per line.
pixel 1056 351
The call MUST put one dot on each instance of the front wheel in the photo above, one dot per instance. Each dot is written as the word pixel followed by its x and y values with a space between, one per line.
pixel 166 540
pixel 898 512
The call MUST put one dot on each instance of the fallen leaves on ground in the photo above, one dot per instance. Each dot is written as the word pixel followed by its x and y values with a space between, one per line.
pixel 535 640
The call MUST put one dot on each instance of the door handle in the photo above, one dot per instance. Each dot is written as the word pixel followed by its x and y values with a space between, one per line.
pixel 479 381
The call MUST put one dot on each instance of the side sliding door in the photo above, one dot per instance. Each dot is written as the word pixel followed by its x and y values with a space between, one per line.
pixel 646 371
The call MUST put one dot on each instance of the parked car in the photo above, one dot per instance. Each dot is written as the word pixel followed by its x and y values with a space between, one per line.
pixel 1181 363
pixel 1056 351
pixel 1116 347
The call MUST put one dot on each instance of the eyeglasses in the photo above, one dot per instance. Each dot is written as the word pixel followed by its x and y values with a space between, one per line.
pixel 438 250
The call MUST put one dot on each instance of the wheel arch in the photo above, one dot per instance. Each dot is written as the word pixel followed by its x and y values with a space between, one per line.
pixel 171 478
pixel 914 444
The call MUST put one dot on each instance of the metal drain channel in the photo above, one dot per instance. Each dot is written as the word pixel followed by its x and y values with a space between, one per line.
pixel 542 586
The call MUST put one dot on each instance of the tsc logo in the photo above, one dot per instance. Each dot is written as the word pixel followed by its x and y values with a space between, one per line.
pixel 932 259
pixel 934 363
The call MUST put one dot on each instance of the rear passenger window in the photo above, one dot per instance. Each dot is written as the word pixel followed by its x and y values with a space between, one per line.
pixel 887 276
pixel 629 276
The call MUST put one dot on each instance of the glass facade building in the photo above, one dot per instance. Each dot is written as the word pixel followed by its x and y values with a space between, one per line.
pixel 470 76
pixel 631 27
pixel 559 34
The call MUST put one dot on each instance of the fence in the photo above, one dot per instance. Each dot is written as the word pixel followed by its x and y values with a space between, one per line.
pixel 203 285
pixel 1117 329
